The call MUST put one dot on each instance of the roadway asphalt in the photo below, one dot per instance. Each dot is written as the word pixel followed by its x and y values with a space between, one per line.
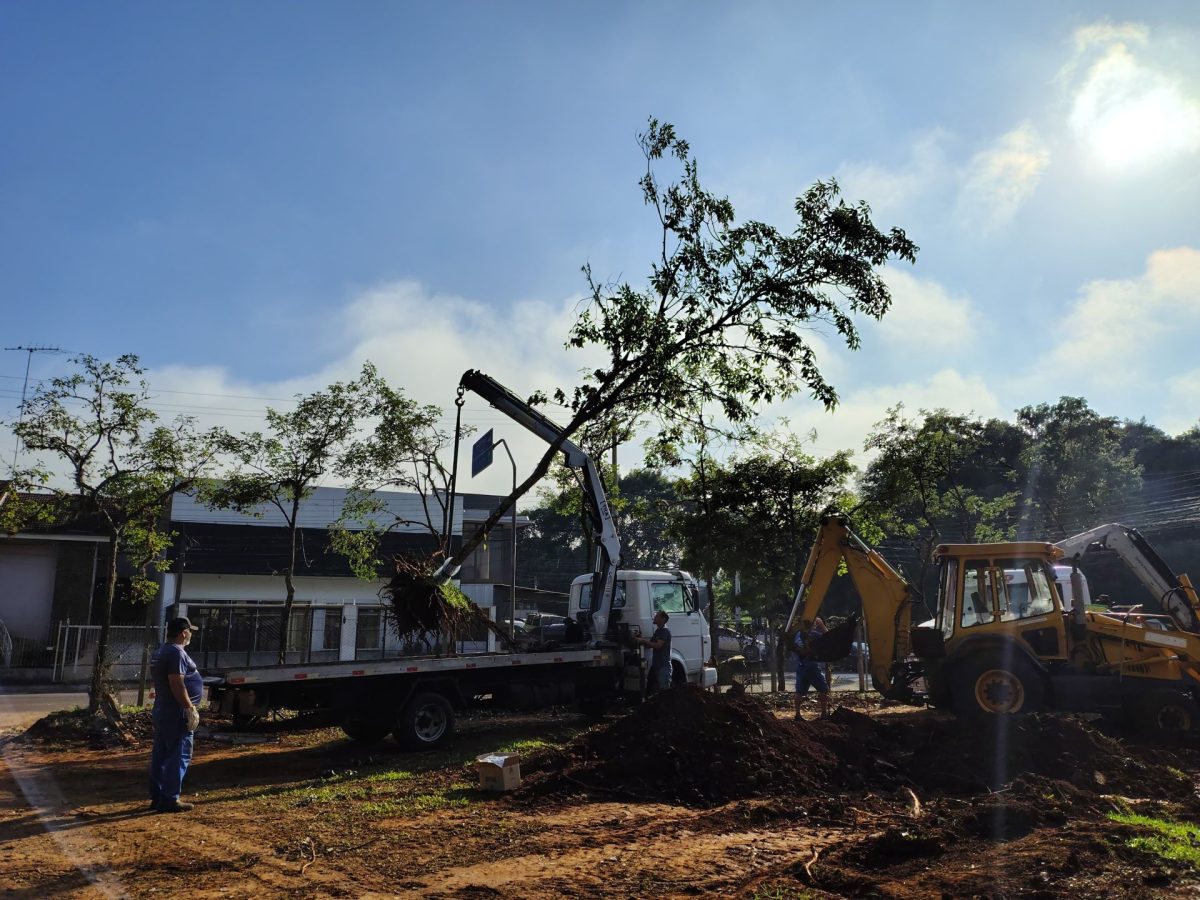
pixel 22 705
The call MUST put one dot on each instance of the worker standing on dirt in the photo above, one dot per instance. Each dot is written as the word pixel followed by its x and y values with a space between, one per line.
pixel 178 689
pixel 659 677
pixel 808 670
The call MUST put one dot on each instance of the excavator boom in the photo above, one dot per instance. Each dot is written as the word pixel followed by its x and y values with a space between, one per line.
pixel 608 550
pixel 1174 593
pixel 886 597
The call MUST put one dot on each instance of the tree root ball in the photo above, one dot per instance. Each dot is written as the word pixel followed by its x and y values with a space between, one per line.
pixel 422 604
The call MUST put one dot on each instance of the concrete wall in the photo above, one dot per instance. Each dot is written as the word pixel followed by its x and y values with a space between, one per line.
pixel 256 588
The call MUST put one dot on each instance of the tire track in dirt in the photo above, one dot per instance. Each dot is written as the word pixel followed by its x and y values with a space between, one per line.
pixel 46 801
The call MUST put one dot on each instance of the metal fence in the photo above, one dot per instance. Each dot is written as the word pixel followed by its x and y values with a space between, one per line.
pixel 231 635
pixel 75 650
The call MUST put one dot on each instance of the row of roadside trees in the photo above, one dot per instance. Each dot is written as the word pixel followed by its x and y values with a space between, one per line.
pixel 749 512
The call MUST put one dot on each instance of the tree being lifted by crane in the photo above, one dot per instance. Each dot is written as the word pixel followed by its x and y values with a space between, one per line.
pixel 723 319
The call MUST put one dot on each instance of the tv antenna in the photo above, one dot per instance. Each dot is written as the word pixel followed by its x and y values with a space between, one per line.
pixel 28 351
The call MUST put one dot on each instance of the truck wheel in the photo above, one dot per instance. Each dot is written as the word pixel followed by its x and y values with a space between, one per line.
pixel 678 675
pixel 1166 716
pixel 426 722
pixel 994 686
pixel 366 728
pixel 593 707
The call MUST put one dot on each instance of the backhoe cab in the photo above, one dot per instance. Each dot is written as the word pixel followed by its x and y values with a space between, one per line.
pixel 1003 642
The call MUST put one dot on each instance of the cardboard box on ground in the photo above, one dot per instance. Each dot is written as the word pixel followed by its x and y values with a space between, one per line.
pixel 499 771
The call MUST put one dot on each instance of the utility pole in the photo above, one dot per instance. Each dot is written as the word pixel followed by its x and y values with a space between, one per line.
pixel 28 351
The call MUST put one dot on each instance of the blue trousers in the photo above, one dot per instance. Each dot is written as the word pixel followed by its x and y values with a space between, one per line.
pixel 809 674
pixel 171 755
pixel 658 679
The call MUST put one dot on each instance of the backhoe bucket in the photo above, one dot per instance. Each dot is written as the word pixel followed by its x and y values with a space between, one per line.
pixel 836 643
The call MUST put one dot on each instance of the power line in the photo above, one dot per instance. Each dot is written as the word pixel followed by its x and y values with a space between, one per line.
pixel 28 351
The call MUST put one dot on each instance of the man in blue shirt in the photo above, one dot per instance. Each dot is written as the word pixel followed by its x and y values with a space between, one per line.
pixel 178 689
pixel 659 676
pixel 808 670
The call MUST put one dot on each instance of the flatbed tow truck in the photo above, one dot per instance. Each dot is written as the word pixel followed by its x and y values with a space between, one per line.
pixel 415 697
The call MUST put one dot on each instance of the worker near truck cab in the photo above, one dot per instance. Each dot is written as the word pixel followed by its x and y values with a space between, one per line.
pixel 178 689
pixel 659 676
pixel 808 670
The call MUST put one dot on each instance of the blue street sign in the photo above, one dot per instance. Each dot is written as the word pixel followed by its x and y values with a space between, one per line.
pixel 481 453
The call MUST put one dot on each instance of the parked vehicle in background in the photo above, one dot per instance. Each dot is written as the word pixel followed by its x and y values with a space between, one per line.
pixel 731 642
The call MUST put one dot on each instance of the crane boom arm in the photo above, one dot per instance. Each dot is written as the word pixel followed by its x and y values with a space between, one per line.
pixel 886 596
pixel 1174 592
pixel 608 549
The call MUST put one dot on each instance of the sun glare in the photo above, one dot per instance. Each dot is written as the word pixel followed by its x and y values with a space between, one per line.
pixel 1129 115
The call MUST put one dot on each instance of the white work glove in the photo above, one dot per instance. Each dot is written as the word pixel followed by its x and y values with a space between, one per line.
pixel 193 718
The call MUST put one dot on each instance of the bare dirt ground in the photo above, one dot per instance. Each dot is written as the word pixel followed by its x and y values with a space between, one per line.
pixel 686 796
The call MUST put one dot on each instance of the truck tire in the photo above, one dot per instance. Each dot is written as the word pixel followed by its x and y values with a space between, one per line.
pixel 996 684
pixel 1166 717
pixel 678 675
pixel 426 722
pixel 366 728
pixel 593 707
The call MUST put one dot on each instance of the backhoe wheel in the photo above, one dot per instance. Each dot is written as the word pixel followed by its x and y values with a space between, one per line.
pixel 1166 717
pixel 995 686
pixel 366 727
pixel 426 722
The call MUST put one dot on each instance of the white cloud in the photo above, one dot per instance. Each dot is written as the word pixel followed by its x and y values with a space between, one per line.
pixel 925 317
pixel 1127 110
pixel 847 427
pixel 1182 406
pixel 1118 333
pixel 999 178
pixel 423 343
pixel 889 190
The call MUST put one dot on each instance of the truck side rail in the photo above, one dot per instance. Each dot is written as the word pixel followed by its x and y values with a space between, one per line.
pixel 325 671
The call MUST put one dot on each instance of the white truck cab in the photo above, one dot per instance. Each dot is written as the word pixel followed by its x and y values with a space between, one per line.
pixel 640 594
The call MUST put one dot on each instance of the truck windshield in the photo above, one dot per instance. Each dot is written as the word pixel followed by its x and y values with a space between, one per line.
pixel 585 596
pixel 669 598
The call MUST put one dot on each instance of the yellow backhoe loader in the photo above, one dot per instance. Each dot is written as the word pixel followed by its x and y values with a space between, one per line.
pixel 1002 641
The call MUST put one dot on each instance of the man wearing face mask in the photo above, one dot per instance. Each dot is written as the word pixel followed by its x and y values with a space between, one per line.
pixel 178 689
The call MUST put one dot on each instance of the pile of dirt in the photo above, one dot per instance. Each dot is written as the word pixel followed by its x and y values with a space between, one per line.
pixel 947 755
pixel 693 747
pixel 70 729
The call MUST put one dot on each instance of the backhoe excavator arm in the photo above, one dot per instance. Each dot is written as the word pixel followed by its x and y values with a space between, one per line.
pixel 886 597
pixel 1174 593
pixel 608 545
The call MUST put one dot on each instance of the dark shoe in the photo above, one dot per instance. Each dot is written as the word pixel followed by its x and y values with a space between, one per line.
pixel 177 806
pixel 153 807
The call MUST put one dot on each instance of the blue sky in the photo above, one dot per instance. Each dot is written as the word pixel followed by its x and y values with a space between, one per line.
pixel 257 197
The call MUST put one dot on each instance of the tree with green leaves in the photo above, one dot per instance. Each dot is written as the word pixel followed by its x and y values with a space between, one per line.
pixel 766 504
pixel 1074 470
pixel 724 316
pixel 319 438
pixel 936 477
pixel 403 450
pixel 109 461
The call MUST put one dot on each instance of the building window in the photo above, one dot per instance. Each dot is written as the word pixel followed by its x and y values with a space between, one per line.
pixel 333 630
pixel 370 634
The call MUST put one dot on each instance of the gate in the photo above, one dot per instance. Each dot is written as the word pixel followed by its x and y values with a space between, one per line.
pixel 75 651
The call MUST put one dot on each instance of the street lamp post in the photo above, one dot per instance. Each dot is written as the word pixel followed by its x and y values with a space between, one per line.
pixel 512 590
